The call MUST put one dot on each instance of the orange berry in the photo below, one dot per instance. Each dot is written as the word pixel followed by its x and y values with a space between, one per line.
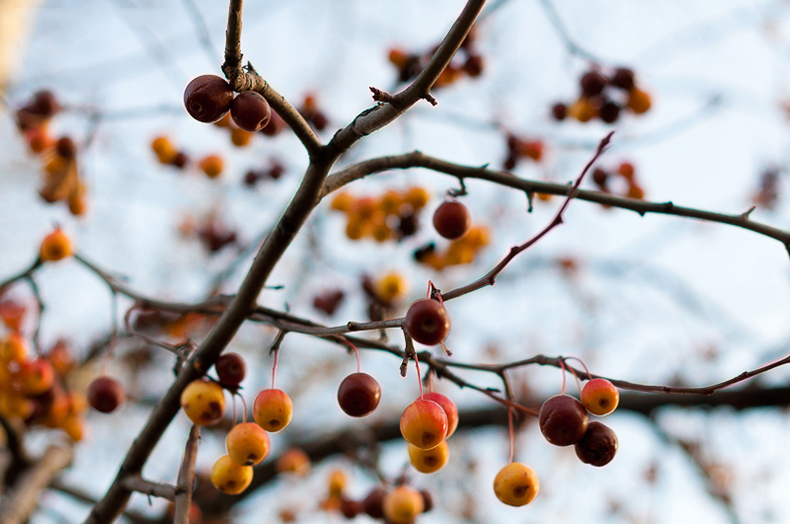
pixel 449 407
pixel 402 505
pixel 365 208
pixel 55 246
pixel 162 145
pixel 240 137
pixel 390 287
pixel 398 57
pixel 211 165
pixel 74 428
pixel 460 253
pixel 337 483
pixel 247 443
pixel 429 460
pixel 424 424
pixel 516 484
pixel 583 110
pixel 13 348
pixel 544 197
pixel 56 165
pixel 13 314
pixel 381 231
pixel 203 402
pixel 639 101
pixel 293 461
pixel 224 121
pixel 626 170
pixel 229 477
pixel 15 405
pixel 635 191
pixel 272 410
pixel 390 202
pixel 36 376
pixel 600 397
pixel 417 197
pixel 342 201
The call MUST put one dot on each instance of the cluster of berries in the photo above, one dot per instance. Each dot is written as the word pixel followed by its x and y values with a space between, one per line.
pixel 596 101
pixel 62 181
pixel 399 505
pixel 468 61
pixel 208 98
pixel 519 147
pixel 211 231
pixel 626 171
pixel 383 293
pixel 392 216
pixel 311 112
pixel 274 171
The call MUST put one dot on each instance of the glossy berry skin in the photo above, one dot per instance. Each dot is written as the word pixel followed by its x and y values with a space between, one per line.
pixel 424 424
pixel 373 504
pixel 272 410
pixel 449 407
pixel 250 111
pixel 598 446
pixel 452 220
pixel 203 402
pixel 600 397
pixel 358 394
pixel 247 444
pixel 563 420
pixel 516 484
pixel 429 460
pixel 402 505
pixel 230 369
pixel 105 394
pixel 229 477
pixel 56 246
pixel 207 98
pixel 427 322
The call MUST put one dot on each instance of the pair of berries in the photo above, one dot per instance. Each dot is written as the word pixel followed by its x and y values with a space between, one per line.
pixel 426 424
pixel 401 505
pixel 208 98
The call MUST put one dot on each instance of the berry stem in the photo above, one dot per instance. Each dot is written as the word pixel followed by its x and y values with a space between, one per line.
pixel 244 407
pixel 512 433
pixel 580 361
pixel 274 367
pixel 356 354
pixel 233 400
pixel 562 366
pixel 419 377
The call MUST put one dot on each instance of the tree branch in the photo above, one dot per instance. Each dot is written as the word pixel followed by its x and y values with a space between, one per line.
pixel 152 489
pixel 186 478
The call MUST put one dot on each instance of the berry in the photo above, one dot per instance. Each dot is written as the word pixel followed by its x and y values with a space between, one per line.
pixel 634 191
pixel 211 165
pixel 293 461
pixel 429 460
pixel 609 112
pixel 105 394
pixel 427 500
pixel 559 111
pixel 36 376
pixel 599 177
pixel 229 477
pixel 427 322
pixel 350 508
pixel 66 147
pixel 563 420
pixel 638 101
pixel 373 504
pixel 474 65
pixel 230 369
pixel 13 348
pixel 342 201
pixel 449 408
pixel 247 443
pixel 44 104
pixel 55 246
pixel 583 110
pixel 207 98
pixel 203 402
pixel 452 220
pixel 358 394
pixel 626 170
pixel 390 287
pixel 598 446
pixel 240 137
pixel 424 424
pixel 250 111
pixel 600 397
pixel 180 160
pixel 623 78
pixel 592 83
pixel 337 483
pixel 516 484
pixel 402 505
pixel 272 410
pixel 417 197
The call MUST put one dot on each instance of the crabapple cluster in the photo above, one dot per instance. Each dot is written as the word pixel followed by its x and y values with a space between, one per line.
pixel 208 98
pixel 274 171
pixel 460 251
pixel 604 95
pixel 625 170
pixel 312 113
pixel 392 216
pixel 213 232
pixel 520 147
pixel 61 178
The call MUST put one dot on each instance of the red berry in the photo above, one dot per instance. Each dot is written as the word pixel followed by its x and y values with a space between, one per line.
pixel 452 220
pixel 427 500
pixel 559 111
pixel 427 322
pixel 250 111
pixel 563 420
pixel 623 78
pixel 609 112
pixel 180 160
pixel 350 508
pixel 230 369
pixel 449 408
pixel 44 104
pixel 598 446
pixel 105 394
pixel 599 177
pixel 358 394
pixel 592 83
pixel 474 65
pixel 373 503
pixel 207 98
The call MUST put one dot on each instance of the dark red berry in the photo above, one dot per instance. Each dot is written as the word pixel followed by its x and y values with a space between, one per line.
pixel 250 111
pixel 623 78
pixel 320 121
pixel 207 98
pixel 230 369
pixel 407 225
pixel 180 160
pixel 275 126
pixel 598 446
pixel 427 322
pixel 592 83
pixel 105 394
pixel 599 177
pixel 350 508
pixel 329 301
pixel 563 420
pixel 427 500
pixel 276 170
pixel 358 394
pixel 373 503
pixel 510 162
pixel 452 220
pixel 559 111
pixel 474 65
pixel 609 112
pixel 422 252
pixel 251 178
pixel 44 104
pixel 66 147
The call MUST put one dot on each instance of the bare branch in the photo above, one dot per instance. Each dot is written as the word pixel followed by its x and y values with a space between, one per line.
pixel 186 478
pixel 146 487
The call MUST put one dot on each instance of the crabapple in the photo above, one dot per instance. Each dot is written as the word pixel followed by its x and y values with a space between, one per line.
pixel 203 402
pixel 563 420
pixel 207 98
pixel 272 410
pixel 427 322
pixel 449 408
pixel 452 220
pixel 516 484
pixel 230 369
pixel 105 394
pixel 402 505
pixel 429 460
pixel 55 246
pixel 293 461
pixel 36 376
pixel 229 477
pixel 247 444
pixel 424 424
pixel 600 397
pixel 358 394
pixel 250 111
pixel 372 505
pixel 598 446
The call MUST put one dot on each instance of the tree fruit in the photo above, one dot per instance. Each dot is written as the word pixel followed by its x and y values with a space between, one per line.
pixel 563 420
pixel 427 322
pixel 424 424
pixel 250 111
pixel 402 505
pixel 272 410
pixel 429 460
pixel 55 246
pixel 358 394
pixel 598 446
pixel 373 504
pixel 229 477
pixel 449 408
pixel 600 397
pixel 230 369
pixel 516 484
pixel 207 98
pixel 203 402
pixel 247 444
pixel 105 394
pixel 452 220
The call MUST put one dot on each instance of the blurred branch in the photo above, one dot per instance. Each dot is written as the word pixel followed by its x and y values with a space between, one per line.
pixel 81 496
pixel 146 487
pixel 186 479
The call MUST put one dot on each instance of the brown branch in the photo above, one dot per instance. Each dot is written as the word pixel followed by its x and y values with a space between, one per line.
pixel 186 478
pixel 81 496
pixel 25 274
pixel 19 502
pixel 146 487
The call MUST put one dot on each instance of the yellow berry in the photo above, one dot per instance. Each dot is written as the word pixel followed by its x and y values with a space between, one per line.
pixel 272 410
pixel 402 505
pixel 516 484
pixel 55 246
pixel 247 443
pixel 391 287
pixel 600 397
pixel 342 202
pixel 417 197
pixel 429 460
pixel 229 477
pixel 337 483
pixel 203 402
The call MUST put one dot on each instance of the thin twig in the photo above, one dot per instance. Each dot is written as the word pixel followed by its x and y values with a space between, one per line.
pixel 186 478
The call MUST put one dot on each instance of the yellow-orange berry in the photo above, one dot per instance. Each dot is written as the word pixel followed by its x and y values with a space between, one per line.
pixel 390 202
pixel 229 477
pixel 247 444
pixel 36 376
pixel 211 165
pixel 15 405
pixel 424 424
pixel 13 348
pixel 429 460
pixel 74 428
pixel 162 145
pixel 343 201
pixel 240 137
pixel 639 101
pixel 402 505
pixel 583 110
pixel 390 287
pixel 600 397
pixel 477 237
pixel 203 402
pixel 55 246
pixel 516 484
pixel 417 197
pixel 337 483
pixel 293 461
pixel 635 191
pixel 356 227
pixel 272 410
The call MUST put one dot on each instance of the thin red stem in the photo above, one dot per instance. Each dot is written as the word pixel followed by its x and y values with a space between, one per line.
pixel 580 361
pixel 562 366
pixel 512 433
pixel 274 367
pixel 419 376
